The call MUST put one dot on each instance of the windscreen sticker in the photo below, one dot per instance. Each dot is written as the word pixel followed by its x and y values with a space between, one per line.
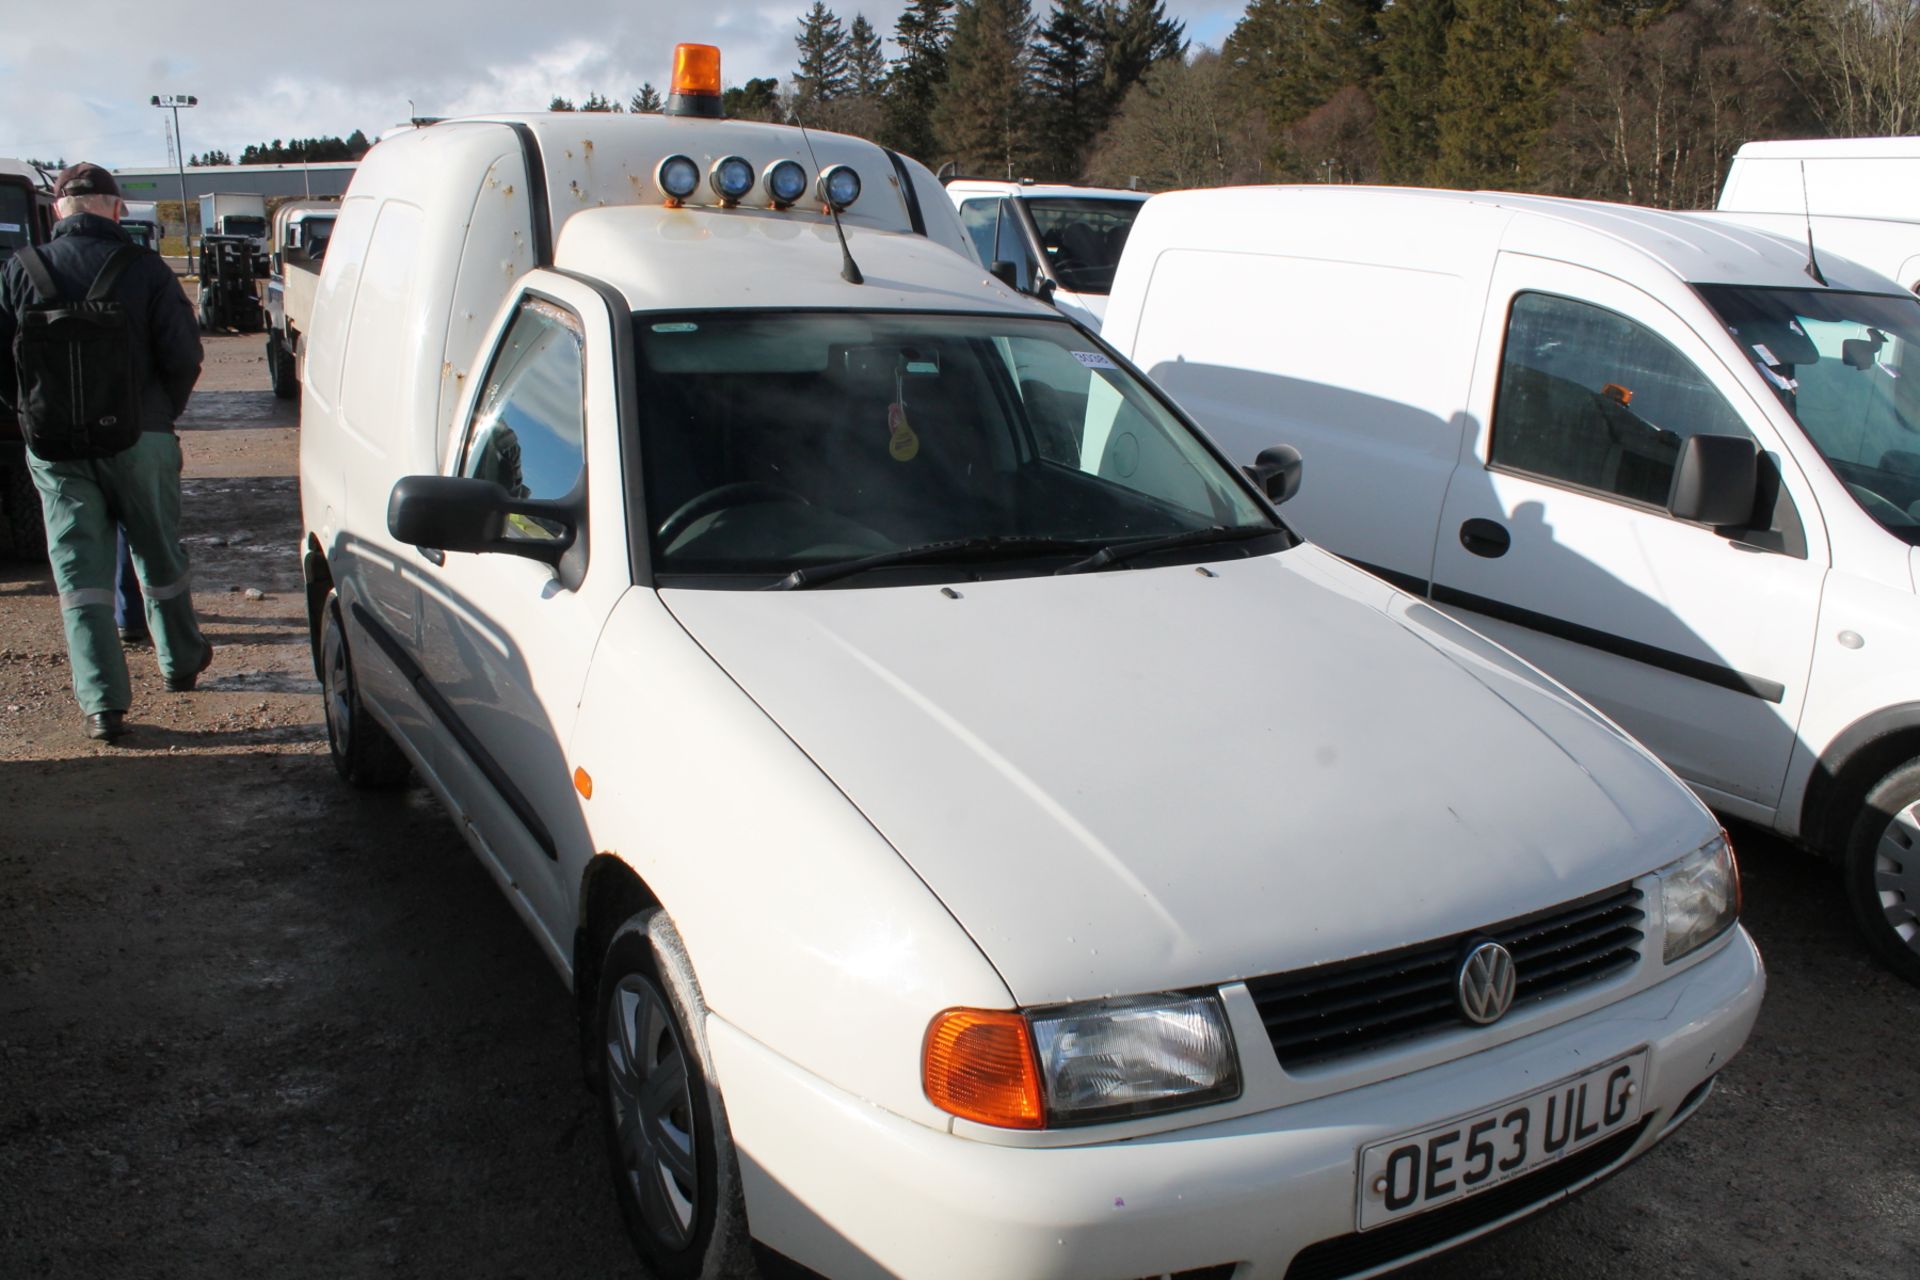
pixel 1094 360
pixel 902 444
pixel 676 327
pixel 1784 383
pixel 11 226
pixel 1766 356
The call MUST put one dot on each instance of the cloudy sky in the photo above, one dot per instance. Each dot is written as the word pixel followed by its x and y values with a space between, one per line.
pixel 76 75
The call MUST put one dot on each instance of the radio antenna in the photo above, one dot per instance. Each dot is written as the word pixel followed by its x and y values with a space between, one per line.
pixel 849 269
pixel 1806 211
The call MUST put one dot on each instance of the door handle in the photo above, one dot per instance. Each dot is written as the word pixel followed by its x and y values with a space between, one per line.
pixel 1485 538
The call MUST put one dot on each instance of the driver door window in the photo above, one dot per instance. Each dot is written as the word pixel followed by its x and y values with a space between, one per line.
pixel 527 433
pixel 1592 399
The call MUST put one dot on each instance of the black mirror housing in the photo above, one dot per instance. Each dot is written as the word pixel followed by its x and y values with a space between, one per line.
pixel 1715 481
pixel 461 513
pixel 1005 272
pixel 1277 472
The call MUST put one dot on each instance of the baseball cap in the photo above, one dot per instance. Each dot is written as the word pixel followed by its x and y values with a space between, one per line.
pixel 84 180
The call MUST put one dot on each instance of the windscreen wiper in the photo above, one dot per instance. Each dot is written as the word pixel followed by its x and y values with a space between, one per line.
pixel 1115 552
pixel 998 547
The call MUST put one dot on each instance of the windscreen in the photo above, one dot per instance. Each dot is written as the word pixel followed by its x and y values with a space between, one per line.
pixel 1847 366
pixel 1083 238
pixel 776 441
pixel 245 226
pixel 16 218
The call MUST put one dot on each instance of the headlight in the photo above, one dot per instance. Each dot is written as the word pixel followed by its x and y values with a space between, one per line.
pixel 839 186
pixel 1082 1063
pixel 1699 897
pixel 786 182
pixel 677 177
pixel 732 179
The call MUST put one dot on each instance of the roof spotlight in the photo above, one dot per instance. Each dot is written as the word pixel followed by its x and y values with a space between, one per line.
pixel 731 178
pixel 786 182
pixel 677 177
pixel 839 186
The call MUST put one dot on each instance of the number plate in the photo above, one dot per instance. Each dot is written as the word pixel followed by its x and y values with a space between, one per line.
pixel 1423 1170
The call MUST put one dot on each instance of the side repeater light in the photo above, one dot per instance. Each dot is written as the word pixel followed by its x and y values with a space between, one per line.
pixel 786 183
pixel 839 186
pixel 677 177
pixel 732 179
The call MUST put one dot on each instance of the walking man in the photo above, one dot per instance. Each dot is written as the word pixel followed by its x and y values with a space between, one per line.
pixel 137 487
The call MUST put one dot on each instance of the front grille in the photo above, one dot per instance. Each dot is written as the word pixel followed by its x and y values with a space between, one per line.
pixel 1363 1251
pixel 1353 1006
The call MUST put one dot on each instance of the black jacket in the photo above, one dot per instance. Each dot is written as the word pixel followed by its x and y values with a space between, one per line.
pixel 166 335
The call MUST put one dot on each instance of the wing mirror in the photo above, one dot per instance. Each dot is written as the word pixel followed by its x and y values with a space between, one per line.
pixel 1005 272
pixel 1277 472
pixel 1716 481
pixel 461 513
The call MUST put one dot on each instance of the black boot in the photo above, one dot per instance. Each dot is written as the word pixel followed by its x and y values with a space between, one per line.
pixel 105 726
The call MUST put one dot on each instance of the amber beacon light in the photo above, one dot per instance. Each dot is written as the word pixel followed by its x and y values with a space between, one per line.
pixel 695 88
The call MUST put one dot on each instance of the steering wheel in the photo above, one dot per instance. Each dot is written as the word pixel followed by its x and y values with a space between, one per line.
pixel 739 493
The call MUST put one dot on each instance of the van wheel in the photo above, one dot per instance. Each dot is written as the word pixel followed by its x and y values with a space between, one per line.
pixel 1882 870
pixel 675 1171
pixel 280 367
pixel 362 752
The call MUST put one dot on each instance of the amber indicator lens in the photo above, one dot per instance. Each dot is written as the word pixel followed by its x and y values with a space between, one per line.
pixel 583 783
pixel 978 1065
pixel 696 70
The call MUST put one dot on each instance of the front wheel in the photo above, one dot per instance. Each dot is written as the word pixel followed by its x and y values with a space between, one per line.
pixel 673 1162
pixel 1882 869
pixel 280 367
pixel 361 749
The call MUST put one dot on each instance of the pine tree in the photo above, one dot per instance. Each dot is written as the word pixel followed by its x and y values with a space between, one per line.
pixel 914 79
pixel 1291 56
pixel 758 99
pixel 866 60
pixel 595 102
pixel 1132 38
pixel 1413 59
pixel 822 73
pixel 980 114
pixel 1505 61
pixel 645 101
pixel 560 104
pixel 1067 82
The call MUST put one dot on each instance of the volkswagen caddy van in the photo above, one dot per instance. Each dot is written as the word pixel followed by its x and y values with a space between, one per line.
pixel 980 836
pixel 1672 460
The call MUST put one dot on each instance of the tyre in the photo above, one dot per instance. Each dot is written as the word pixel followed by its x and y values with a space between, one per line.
pixel 674 1168
pixel 280 367
pixel 362 751
pixel 1882 868
pixel 20 507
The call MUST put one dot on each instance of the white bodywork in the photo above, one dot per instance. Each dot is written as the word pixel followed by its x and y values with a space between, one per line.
pixel 217 208
pixel 1383 369
pixel 294 278
pixel 861 807
pixel 1088 307
pixel 1860 197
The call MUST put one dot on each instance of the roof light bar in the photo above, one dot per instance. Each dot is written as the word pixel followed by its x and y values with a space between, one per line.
pixel 786 183
pixel 731 178
pixel 838 187
pixel 678 177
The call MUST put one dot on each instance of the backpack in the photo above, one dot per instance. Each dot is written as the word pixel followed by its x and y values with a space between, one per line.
pixel 79 394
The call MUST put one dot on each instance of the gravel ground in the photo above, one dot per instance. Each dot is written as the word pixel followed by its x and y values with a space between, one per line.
pixel 252 1023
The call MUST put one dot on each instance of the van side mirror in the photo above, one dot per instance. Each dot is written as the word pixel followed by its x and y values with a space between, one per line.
pixel 1715 481
pixel 462 513
pixel 1277 472
pixel 1005 272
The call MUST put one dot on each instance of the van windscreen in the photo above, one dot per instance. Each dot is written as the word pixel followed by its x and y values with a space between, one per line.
pixel 16 218
pixel 1083 237
pixel 1847 366
pixel 780 441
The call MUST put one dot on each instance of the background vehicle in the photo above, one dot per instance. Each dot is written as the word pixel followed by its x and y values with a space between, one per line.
pixel 1860 198
pixel 298 246
pixel 237 213
pixel 1499 400
pixel 26 217
pixel 580 392
pixel 1062 243
pixel 143 223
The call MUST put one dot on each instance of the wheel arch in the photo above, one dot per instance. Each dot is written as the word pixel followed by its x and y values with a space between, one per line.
pixel 611 893
pixel 1858 757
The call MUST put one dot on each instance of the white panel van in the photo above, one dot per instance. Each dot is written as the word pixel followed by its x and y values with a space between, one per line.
pixel 1521 408
pixel 1058 243
pixel 1858 197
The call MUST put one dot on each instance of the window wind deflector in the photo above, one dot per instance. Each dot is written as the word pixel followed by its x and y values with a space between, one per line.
pixel 955 549
pixel 1116 552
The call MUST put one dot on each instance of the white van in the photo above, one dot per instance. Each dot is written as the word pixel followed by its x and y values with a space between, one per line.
pixel 962 810
pixel 1058 243
pixel 1526 409
pixel 1859 197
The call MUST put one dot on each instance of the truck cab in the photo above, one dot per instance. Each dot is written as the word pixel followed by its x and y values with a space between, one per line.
pixel 1061 244
pixel 26 217
pixel 296 249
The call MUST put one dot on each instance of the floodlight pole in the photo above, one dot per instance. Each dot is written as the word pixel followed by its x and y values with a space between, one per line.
pixel 175 101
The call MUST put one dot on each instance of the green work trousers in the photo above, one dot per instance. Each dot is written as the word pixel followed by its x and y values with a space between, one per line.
pixel 140 490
